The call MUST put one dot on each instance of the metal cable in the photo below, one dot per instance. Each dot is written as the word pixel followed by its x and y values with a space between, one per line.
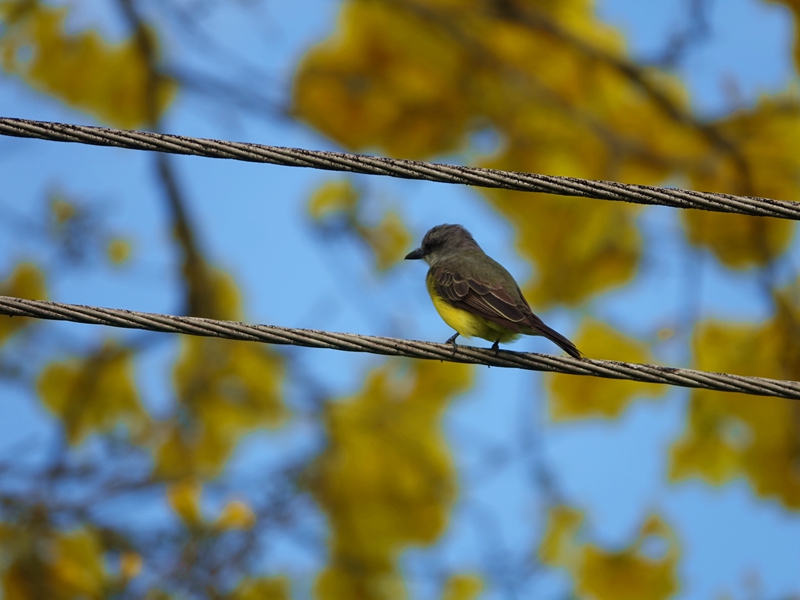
pixel 17 307
pixel 406 169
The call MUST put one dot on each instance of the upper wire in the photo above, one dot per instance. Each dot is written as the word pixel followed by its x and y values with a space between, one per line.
pixel 405 169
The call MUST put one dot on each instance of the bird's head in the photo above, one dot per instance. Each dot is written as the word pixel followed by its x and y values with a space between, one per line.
pixel 441 242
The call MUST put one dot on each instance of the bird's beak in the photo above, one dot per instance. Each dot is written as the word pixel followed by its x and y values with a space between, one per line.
pixel 415 254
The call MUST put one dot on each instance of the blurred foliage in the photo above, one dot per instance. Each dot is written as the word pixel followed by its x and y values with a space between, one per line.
pixel 386 80
pixel 600 242
pixel 765 138
pixel 235 515
pixel 386 478
pixel 41 562
pixel 228 389
pixel 645 570
pixel 63 210
pixel 119 251
pixel 462 587
pixel 337 207
pixel 109 81
pixel 94 394
pixel 794 7
pixel 730 435
pixel 225 390
pixel 262 588
pixel 26 281
pixel 81 231
pixel 553 85
pixel 584 397
pixel 334 198
pixel 184 498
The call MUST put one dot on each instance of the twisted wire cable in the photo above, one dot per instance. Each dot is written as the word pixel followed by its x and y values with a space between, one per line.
pixel 348 342
pixel 405 169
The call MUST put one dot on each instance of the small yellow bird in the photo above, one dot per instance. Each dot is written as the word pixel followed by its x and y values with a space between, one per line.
pixel 474 294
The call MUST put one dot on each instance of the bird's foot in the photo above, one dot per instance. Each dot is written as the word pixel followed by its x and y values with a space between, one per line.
pixel 496 347
pixel 452 340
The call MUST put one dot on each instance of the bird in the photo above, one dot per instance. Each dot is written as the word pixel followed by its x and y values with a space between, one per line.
pixel 476 295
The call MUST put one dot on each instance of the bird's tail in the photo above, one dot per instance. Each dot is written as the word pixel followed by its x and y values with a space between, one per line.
pixel 558 339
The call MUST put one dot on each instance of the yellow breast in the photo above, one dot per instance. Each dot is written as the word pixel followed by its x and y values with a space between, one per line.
pixel 466 323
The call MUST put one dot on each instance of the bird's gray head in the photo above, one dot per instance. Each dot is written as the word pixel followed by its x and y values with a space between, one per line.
pixel 443 241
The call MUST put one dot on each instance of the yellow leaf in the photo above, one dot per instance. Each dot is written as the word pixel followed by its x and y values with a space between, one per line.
pixel 227 389
pixel 119 251
pixel 223 297
pixel 579 249
pixel 333 196
pixel 574 397
pixel 730 435
pixel 389 240
pixel 559 546
pixel 710 445
pixel 738 241
pixel 794 6
pixel 62 209
pixel 93 394
pixel 236 515
pixel 79 564
pixel 26 281
pixel 184 498
pixel 386 479
pixel 766 142
pixel 262 588
pixel 39 562
pixel 385 79
pixel 645 570
pixel 625 575
pixel 130 565
pixel 110 81
pixel 462 587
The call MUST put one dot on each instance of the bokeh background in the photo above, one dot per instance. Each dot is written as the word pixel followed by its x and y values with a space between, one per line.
pixel 148 465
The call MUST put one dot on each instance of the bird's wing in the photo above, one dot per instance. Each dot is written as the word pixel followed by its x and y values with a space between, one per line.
pixel 496 304
pixel 489 301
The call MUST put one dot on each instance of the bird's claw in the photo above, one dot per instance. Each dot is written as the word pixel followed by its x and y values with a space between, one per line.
pixel 452 340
